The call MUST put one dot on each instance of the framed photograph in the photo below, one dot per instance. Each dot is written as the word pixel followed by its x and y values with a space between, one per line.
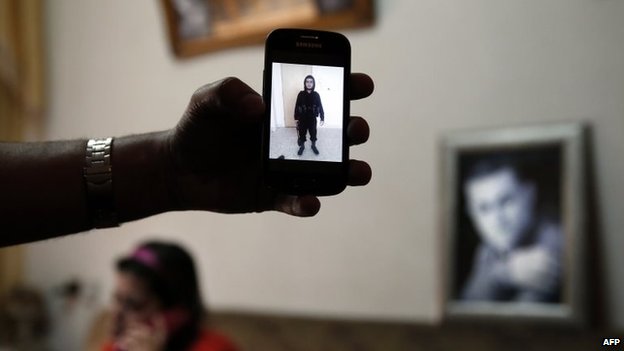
pixel 513 219
pixel 200 26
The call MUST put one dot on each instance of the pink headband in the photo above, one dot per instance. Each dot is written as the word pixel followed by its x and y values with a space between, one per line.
pixel 146 257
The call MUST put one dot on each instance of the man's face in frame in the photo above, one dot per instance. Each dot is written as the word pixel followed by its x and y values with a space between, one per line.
pixel 501 206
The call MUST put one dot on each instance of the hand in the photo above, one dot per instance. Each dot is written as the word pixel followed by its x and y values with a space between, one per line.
pixel 214 152
pixel 321 123
pixel 142 337
pixel 534 268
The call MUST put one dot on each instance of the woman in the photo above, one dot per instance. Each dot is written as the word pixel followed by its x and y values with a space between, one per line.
pixel 157 304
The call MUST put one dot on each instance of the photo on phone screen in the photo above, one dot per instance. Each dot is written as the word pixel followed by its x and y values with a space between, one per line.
pixel 306 110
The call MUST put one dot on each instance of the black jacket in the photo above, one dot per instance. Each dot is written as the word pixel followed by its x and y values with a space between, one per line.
pixel 308 105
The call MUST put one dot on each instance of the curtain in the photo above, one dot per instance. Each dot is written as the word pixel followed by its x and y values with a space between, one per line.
pixel 21 97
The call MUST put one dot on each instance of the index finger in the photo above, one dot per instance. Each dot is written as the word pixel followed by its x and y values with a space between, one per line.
pixel 361 86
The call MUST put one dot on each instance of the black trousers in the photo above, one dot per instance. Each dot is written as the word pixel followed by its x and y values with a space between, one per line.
pixel 306 124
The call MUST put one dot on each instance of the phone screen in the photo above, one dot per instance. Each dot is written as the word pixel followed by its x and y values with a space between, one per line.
pixel 306 110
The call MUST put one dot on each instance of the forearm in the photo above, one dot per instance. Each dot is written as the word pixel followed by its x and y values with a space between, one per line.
pixel 44 193
pixel 42 190
pixel 321 111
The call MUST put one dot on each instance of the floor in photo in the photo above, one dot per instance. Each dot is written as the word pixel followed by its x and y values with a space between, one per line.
pixel 284 143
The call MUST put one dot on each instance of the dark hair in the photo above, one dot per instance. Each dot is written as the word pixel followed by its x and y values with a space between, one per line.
pixel 487 165
pixel 170 275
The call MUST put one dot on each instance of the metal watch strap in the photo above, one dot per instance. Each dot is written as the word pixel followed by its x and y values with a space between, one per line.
pixel 99 183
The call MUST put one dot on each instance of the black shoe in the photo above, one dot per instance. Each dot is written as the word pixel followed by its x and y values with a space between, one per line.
pixel 301 148
pixel 314 149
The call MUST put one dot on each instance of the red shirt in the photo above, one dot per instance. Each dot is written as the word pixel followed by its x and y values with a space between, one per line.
pixel 213 341
pixel 209 340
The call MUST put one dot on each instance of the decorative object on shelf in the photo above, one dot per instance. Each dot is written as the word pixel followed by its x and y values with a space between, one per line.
pixel 23 319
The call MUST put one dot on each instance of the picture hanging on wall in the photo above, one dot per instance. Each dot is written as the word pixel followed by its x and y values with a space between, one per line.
pixel 512 218
pixel 200 26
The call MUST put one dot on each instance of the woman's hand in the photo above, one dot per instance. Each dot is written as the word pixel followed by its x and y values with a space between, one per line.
pixel 140 336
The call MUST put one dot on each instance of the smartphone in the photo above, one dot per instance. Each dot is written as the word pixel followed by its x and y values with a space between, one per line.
pixel 306 92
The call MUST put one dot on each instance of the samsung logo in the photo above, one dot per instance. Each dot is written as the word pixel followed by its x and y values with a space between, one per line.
pixel 303 44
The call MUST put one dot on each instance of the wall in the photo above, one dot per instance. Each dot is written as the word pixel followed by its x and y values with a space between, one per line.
pixel 372 252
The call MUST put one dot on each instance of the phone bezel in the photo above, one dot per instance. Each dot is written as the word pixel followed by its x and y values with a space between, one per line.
pixel 303 176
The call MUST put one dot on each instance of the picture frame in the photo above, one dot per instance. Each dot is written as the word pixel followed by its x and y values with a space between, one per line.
pixel 201 26
pixel 513 222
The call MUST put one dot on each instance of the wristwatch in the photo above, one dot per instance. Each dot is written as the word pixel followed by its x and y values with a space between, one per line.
pixel 98 175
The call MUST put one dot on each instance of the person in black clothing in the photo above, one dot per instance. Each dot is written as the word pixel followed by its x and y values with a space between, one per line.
pixel 307 108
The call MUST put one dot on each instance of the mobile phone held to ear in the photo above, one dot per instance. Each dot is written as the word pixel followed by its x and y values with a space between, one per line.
pixel 306 91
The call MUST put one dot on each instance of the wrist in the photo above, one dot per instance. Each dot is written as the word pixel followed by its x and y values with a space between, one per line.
pixel 140 176
pixel 98 183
